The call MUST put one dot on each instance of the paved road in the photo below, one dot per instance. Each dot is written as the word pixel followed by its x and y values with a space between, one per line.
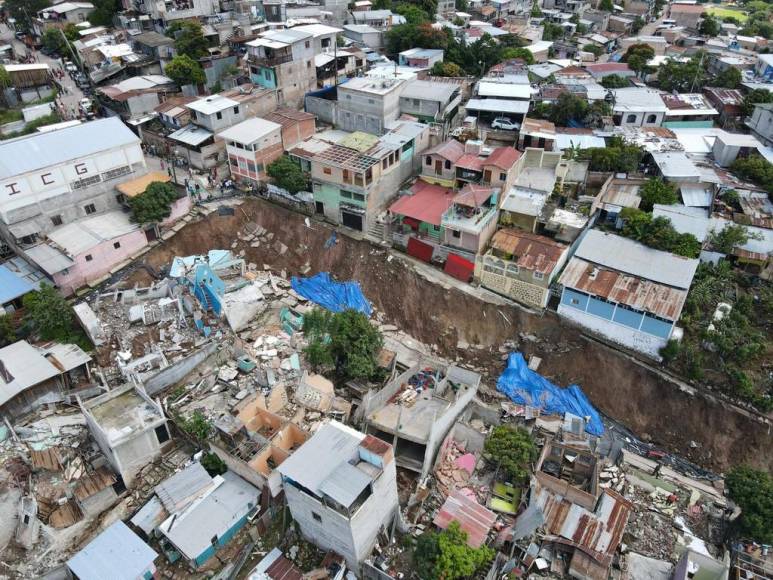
pixel 70 99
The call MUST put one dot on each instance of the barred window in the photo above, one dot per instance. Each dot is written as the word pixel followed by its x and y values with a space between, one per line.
pixel 117 172
pixel 85 182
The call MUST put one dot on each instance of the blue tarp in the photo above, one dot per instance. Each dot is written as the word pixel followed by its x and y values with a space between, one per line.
pixel 526 387
pixel 12 286
pixel 335 296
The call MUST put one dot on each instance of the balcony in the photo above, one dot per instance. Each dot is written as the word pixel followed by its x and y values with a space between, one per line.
pixel 469 220
pixel 271 59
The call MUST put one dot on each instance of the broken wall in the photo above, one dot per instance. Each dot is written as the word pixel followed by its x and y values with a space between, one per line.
pixel 178 370
pixel 442 425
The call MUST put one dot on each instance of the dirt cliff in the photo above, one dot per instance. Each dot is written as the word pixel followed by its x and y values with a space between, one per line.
pixel 686 420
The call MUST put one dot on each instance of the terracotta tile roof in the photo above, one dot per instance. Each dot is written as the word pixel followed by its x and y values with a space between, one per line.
pixel 471 162
pixel 473 195
pixel 529 251
pixel 427 204
pixel 503 157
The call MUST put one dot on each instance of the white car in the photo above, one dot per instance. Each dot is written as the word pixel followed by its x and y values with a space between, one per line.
pixel 505 124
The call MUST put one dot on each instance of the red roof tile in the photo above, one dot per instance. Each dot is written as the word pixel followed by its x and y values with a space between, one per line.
pixel 503 157
pixel 451 150
pixel 473 195
pixel 471 162
pixel 427 204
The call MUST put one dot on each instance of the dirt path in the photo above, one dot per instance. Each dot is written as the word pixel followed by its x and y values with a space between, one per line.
pixel 699 427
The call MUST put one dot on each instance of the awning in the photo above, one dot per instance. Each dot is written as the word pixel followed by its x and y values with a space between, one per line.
pixel 49 259
pixel 191 135
pixel 24 229
pixel 137 186
pixel 498 106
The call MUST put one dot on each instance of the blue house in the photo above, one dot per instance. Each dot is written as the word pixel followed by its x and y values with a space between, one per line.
pixel 625 291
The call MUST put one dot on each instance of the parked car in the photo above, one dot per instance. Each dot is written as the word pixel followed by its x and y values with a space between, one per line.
pixel 505 124
pixel 19 35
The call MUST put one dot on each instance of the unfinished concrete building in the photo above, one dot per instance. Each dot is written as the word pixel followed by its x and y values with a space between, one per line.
pixel 254 442
pixel 341 489
pixel 129 427
pixel 415 411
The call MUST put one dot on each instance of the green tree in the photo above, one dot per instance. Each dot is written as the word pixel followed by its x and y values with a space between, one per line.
pixel 617 156
pixel 52 40
pixel 729 78
pixel 23 10
pixel 189 38
pixel 709 26
pixel 461 5
pixel 657 191
pixel 287 174
pixel 154 204
pixel 638 24
pixel 594 49
pixel 552 31
pixel 637 56
pixel 513 450
pixel 658 233
pixel 7 331
pixel 731 237
pixel 597 110
pixel 5 78
pixel 752 490
pixel 614 82
pixel 518 52
pixel 446 69
pixel 413 14
pixel 606 6
pixel 536 12
pixel 681 77
pixel 197 426
pixel 48 314
pixel 183 70
pixel 568 107
pixel 755 97
pixel 756 169
pixel 447 556
pixel 213 464
pixel 104 12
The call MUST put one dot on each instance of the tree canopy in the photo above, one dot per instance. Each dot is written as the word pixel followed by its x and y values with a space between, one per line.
pixel 49 315
pixel 657 191
pixel 752 490
pixel 729 78
pixel 513 450
pixel 658 233
pixel 518 52
pixel 445 555
pixel 755 97
pixel 594 49
pixel 756 169
pixel 606 6
pixel 614 82
pixel 287 174
pixel 446 69
pixel 189 38
pixel 183 70
pixel 20 10
pixel 104 12
pixel 413 14
pixel 154 204
pixel 617 156
pixel 730 237
pixel 709 26
pixel 637 56
pixel 682 77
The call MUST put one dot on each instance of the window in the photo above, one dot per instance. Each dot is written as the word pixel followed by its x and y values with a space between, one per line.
pixel 89 257
pixel 267 74
pixel 308 44
pixel 435 228
pixel 308 64
pixel 162 433
pixel 456 233
pixel 236 110
pixel 193 114
pixel 251 166
pixel 90 209
pixel 371 101
pixel 116 245
pixel 85 182
pixel 448 164
pixel 347 176
pixel 117 172
pixel 327 171
pixel 415 102
pixel 219 115
pixel 384 163
pixel 316 516
pixel 56 220
pixel 539 276
pixel 652 119
pixel 630 119
pixel 358 197
pixel 346 194
pixel 428 161
pixel 502 176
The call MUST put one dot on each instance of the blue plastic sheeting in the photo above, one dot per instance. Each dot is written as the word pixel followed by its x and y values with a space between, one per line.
pixel 526 387
pixel 334 296
pixel 12 286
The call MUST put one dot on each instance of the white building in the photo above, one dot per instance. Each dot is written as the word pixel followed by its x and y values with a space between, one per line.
pixel 639 107
pixel 55 178
pixel 341 489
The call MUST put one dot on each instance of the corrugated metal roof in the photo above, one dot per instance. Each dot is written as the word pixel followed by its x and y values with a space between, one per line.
pixel 48 258
pixel 117 553
pixel 12 286
pixel 427 203
pixel 82 235
pixel 345 483
pixel 39 150
pixel 192 531
pixel 249 131
pixel 66 357
pixel 177 491
pixel 191 135
pixel 321 455
pixel 451 150
pixel 25 366
pixel 150 516
pixel 663 301
pixel 473 518
pixel 633 258
pixel 530 251
pixel 93 483
pixel 695 195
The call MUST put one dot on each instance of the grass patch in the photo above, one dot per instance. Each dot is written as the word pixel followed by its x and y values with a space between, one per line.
pixel 724 11
pixel 32 126
pixel 10 115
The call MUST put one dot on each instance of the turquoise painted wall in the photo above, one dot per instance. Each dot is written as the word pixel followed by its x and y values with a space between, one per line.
pixel 265 78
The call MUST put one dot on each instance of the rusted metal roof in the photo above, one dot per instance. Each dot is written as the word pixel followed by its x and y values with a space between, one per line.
pixel 451 150
pixel 375 445
pixel 473 518
pixel 529 251
pixel 46 459
pixel 663 301
pixel 473 195
pixel 283 569
pixel 597 533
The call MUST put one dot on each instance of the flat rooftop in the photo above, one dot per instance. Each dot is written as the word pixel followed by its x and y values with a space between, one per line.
pixel 414 422
pixel 124 414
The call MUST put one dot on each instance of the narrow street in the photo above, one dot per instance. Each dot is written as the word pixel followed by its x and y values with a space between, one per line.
pixel 73 94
